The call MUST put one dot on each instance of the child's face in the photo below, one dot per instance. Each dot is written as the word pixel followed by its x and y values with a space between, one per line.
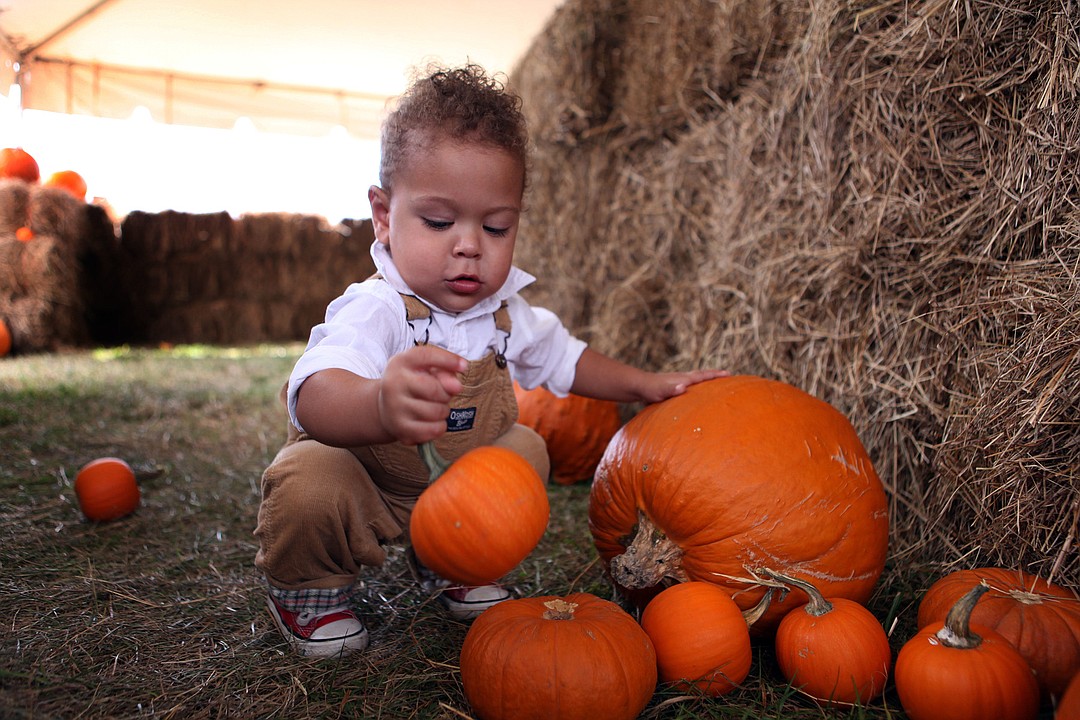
pixel 452 221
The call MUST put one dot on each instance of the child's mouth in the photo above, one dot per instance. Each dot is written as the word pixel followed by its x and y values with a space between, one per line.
pixel 464 284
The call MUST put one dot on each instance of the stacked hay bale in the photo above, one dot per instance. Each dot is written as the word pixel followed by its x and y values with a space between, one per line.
pixel 874 202
pixel 212 279
pixel 41 279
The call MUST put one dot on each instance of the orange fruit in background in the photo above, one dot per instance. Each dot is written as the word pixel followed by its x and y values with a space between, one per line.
pixel 17 163
pixel 24 234
pixel 5 339
pixel 68 180
pixel 106 489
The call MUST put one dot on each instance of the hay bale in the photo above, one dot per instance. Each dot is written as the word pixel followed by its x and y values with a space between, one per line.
pixel 881 211
pixel 41 297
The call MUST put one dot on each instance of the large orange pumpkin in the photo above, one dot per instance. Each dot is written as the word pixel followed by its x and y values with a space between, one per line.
pixel 573 658
pixel 1040 619
pixel 576 429
pixel 106 489
pixel 700 637
pixel 17 163
pixel 480 516
pixel 734 475
pixel 956 670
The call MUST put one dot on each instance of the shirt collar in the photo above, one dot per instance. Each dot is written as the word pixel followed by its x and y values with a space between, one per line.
pixel 515 281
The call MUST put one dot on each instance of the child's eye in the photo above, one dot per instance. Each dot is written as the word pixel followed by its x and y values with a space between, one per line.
pixel 437 224
pixel 497 232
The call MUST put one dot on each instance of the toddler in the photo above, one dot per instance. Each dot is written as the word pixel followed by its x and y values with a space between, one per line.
pixel 425 350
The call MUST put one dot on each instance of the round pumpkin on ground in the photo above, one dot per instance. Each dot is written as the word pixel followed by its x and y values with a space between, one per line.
pixel 577 657
pixel 106 489
pixel 576 429
pixel 1040 619
pixel 832 649
pixel 955 670
pixel 737 474
pixel 700 636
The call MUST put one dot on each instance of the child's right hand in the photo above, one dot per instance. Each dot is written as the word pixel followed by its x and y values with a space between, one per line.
pixel 415 393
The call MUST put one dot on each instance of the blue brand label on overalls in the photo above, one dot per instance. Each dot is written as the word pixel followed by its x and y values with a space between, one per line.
pixel 460 419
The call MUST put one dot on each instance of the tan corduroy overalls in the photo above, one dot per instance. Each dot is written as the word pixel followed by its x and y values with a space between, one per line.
pixel 327 511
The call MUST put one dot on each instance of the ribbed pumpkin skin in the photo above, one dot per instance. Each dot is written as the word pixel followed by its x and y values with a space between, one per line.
pixel 1040 619
pixel 518 665
pixel 941 683
pixel 741 473
pixel 841 656
pixel 700 637
pixel 106 489
pixel 481 517
pixel 576 429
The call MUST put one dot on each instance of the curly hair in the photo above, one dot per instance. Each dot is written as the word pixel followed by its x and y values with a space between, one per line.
pixel 461 104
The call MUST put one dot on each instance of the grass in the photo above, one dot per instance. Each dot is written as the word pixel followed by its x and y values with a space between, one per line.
pixel 160 614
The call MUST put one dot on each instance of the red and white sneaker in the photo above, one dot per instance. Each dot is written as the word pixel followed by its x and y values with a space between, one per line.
pixel 462 602
pixel 332 633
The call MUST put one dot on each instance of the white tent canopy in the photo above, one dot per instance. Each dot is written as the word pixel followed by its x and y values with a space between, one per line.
pixel 289 66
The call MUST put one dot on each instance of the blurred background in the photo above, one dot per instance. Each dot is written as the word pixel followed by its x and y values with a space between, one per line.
pixel 241 106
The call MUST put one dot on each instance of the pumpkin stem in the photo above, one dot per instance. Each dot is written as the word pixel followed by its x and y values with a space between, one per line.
pixel 817 606
pixel 559 609
pixel 957 631
pixel 755 613
pixel 436 463
pixel 650 557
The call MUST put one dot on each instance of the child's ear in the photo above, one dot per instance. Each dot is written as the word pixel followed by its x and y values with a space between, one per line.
pixel 380 213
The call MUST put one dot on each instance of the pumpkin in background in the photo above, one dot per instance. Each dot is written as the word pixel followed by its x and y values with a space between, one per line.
pixel 1068 707
pixel 954 670
pixel 70 181
pixel 19 164
pixel 834 649
pixel 481 515
pixel 106 489
pixel 736 473
pixel 700 637
pixel 576 429
pixel 1040 619
pixel 5 338
pixel 573 658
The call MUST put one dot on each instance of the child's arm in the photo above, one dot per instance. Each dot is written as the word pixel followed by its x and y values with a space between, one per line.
pixel 410 403
pixel 599 376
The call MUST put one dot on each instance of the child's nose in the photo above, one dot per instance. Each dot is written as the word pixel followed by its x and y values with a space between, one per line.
pixel 468 243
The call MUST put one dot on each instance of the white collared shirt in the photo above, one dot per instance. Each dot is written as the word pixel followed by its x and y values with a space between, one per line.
pixel 365 327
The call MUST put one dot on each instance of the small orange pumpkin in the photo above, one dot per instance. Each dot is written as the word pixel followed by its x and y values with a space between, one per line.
pixel 480 516
pixel 953 670
pixel 17 163
pixel 576 429
pixel 106 489
pixel 1040 619
pixel 70 181
pixel 573 658
pixel 700 636
pixel 1068 707
pixel 834 650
